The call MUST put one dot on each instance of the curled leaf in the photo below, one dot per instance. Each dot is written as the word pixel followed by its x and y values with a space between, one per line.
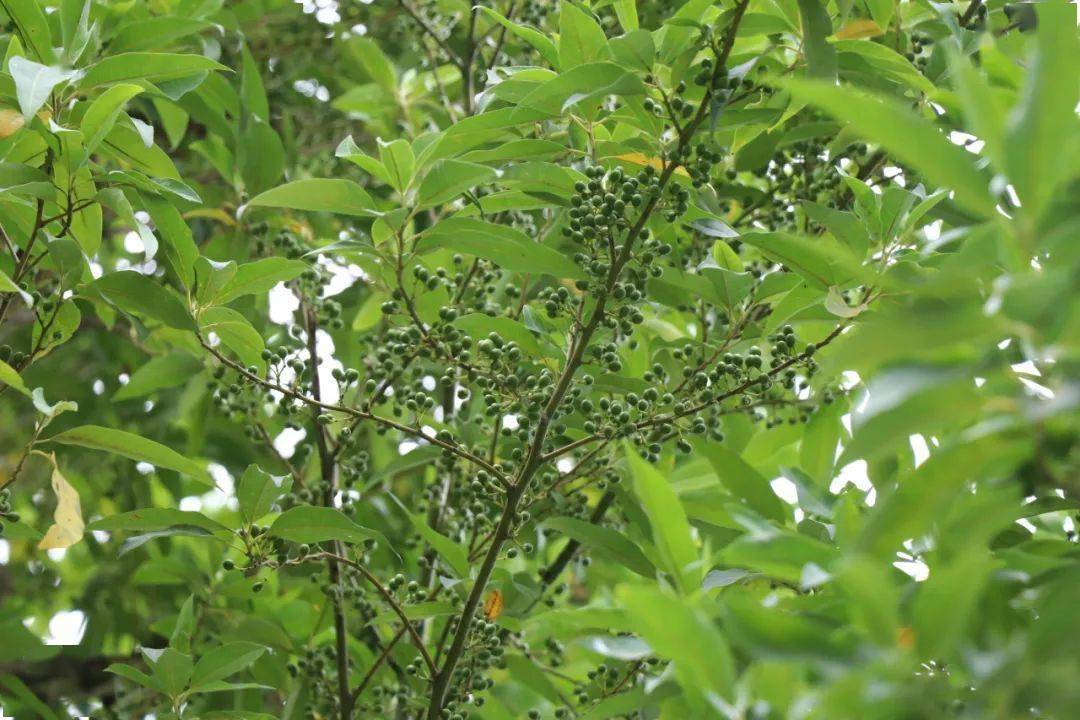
pixel 67 528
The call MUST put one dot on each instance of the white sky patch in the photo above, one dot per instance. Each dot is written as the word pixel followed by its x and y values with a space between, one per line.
pixel 1038 390
pixel 565 465
pixel 917 570
pixel 342 277
pixel 191 504
pixel 5 552
pixel 144 468
pixel 785 490
pixel 854 473
pixel 287 440
pixel 1027 368
pixel 932 231
pixel 324 349
pixel 99 386
pixel 283 304
pixel 66 628
pixel 919 449
pixel 133 243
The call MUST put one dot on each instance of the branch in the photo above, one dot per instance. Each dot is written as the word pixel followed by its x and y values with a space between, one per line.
pixel 353 412
pixel 394 605
pixel 431 32
pixel 534 457
pixel 329 477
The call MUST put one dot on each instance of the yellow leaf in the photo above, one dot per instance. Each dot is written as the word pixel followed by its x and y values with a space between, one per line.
pixel 211 214
pixel 857 29
pixel 11 121
pixel 493 605
pixel 655 162
pixel 68 526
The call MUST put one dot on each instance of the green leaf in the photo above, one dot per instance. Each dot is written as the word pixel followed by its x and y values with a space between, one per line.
pixel 844 226
pixel 983 109
pixel 252 91
pixel 349 150
pixel 134 447
pixel 626 12
pixel 263 156
pixel 881 11
pixel 1046 114
pixel 61 326
pixel 882 62
pixel 909 137
pixel 223 661
pixel 947 602
pixel 343 197
pixel 9 376
pixel 34 83
pixel 588 83
pixel 143 66
pixel 139 294
pixel 160 373
pixel 18 691
pixel 172 671
pixel 903 402
pixel 210 277
pixel 872 596
pixel 682 633
pixel 508 247
pixel 236 332
pixel 374 61
pixel 581 39
pixel 635 50
pixel 176 244
pixel 134 675
pixel 743 481
pixel 767 633
pixel 185 626
pixel 540 42
pixel 478 325
pixel 817 452
pixel 816 27
pixel 312 524
pixel 916 502
pixel 102 113
pixel 397 157
pixel 257 491
pixel 16 178
pixel 821 262
pixel 778 552
pixel 670 528
pixel 258 277
pixel 455 554
pixel 607 541
pixel 448 179
pixel 32 27
pixel 149 519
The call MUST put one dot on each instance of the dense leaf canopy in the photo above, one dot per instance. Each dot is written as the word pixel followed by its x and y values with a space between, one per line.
pixel 539 359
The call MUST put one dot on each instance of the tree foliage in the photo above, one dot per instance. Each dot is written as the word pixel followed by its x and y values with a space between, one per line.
pixel 539 358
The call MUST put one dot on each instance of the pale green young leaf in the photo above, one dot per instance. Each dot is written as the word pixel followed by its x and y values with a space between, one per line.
pixel 135 447
pixel 257 491
pixel 670 528
pixel 160 373
pixel 139 294
pixel 911 138
pixel 343 197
